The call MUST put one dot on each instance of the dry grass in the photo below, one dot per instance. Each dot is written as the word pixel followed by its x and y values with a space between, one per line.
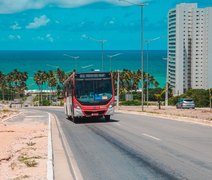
pixel 29 161
pixel 30 143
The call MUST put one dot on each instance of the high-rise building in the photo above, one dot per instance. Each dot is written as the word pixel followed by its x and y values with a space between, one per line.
pixel 189 48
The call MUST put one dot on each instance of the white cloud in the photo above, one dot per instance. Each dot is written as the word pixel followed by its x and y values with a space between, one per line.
pixel 15 26
pixel 111 22
pixel 49 38
pixel 14 37
pixel 83 36
pixel 38 22
pixel 40 38
pixel 8 6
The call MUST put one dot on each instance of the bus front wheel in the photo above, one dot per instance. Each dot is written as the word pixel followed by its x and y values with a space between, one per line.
pixel 107 117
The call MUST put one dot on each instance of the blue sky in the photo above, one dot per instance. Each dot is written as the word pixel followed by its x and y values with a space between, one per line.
pixel 64 24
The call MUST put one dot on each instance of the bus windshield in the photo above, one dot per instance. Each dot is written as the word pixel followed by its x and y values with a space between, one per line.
pixel 95 92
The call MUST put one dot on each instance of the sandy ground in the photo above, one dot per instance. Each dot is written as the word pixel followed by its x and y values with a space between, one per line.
pixel 23 149
pixel 198 114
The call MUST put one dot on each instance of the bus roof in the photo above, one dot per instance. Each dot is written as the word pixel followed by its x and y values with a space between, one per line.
pixel 87 75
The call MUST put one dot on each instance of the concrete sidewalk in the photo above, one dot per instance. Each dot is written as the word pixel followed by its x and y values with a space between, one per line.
pixel 62 169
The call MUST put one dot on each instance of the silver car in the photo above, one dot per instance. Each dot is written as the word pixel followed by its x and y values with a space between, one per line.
pixel 185 103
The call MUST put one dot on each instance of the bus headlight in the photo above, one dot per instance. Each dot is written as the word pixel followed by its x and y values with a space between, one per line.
pixel 111 105
pixel 76 106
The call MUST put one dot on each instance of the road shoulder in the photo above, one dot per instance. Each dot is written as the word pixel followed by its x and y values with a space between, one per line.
pixel 62 168
pixel 170 114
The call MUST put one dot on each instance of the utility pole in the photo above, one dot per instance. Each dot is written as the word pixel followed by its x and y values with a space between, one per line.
pixel 147 68
pixel 117 101
pixel 112 56
pixel 142 48
pixel 167 83
pixel 210 98
pixel 73 57
pixel 102 42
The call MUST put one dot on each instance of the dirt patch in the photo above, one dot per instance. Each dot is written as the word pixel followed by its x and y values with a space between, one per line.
pixel 23 150
pixel 198 114
pixel 5 113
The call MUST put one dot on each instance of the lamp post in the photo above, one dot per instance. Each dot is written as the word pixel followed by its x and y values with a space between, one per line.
pixel 167 83
pixel 210 97
pixel 85 67
pixel 50 65
pixel 117 100
pixel 147 68
pixel 142 48
pixel 102 47
pixel 73 57
pixel 112 56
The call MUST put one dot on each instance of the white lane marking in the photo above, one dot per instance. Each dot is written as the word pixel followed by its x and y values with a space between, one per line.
pixel 50 171
pixel 155 138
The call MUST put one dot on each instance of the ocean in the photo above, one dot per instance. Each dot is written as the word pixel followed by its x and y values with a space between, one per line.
pixel 32 61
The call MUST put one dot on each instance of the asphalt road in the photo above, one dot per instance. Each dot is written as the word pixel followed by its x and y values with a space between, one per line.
pixel 139 147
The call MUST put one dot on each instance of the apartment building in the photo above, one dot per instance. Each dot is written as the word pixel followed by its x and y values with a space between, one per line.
pixel 189 48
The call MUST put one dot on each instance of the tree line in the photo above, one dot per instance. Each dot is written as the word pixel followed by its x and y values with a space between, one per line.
pixel 13 84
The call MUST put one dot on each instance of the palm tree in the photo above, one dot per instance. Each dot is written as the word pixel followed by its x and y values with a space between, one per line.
pixel 3 84
pixel 61 76
pixel 52 81
pixel 40 78
pixel 136 78
pixel 23 76
pixel 159 97
pixel 153 82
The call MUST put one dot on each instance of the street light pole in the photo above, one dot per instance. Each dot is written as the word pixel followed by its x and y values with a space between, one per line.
pixel 167 83
pixel 73 57
pixel 50 65
pixel 102 47
pixel 112 56
pixel 210 97
pixel 117 101
pixel 147 68
pixel 87 66
pixel 142 49
pixel 142 58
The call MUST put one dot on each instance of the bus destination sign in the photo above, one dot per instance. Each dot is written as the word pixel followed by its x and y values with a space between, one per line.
pixel 92 75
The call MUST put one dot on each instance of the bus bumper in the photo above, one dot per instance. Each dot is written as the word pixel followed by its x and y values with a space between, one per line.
pixel 78 112
pixel 110 111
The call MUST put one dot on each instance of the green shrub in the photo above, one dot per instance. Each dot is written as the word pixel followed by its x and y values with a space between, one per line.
pixel 45 102
pixel 131 103
pixel 200 97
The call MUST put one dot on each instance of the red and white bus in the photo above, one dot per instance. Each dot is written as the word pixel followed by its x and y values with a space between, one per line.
pixel 89 95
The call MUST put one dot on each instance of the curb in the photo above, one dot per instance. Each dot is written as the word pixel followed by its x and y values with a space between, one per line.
pixel 175 118
pixel 50 171
pixel 75 171
pixel 10 117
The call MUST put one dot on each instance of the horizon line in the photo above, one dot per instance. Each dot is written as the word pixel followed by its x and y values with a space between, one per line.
pixel 80 50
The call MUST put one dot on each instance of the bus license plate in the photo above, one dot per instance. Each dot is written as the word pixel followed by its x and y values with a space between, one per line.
pixel 94 114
